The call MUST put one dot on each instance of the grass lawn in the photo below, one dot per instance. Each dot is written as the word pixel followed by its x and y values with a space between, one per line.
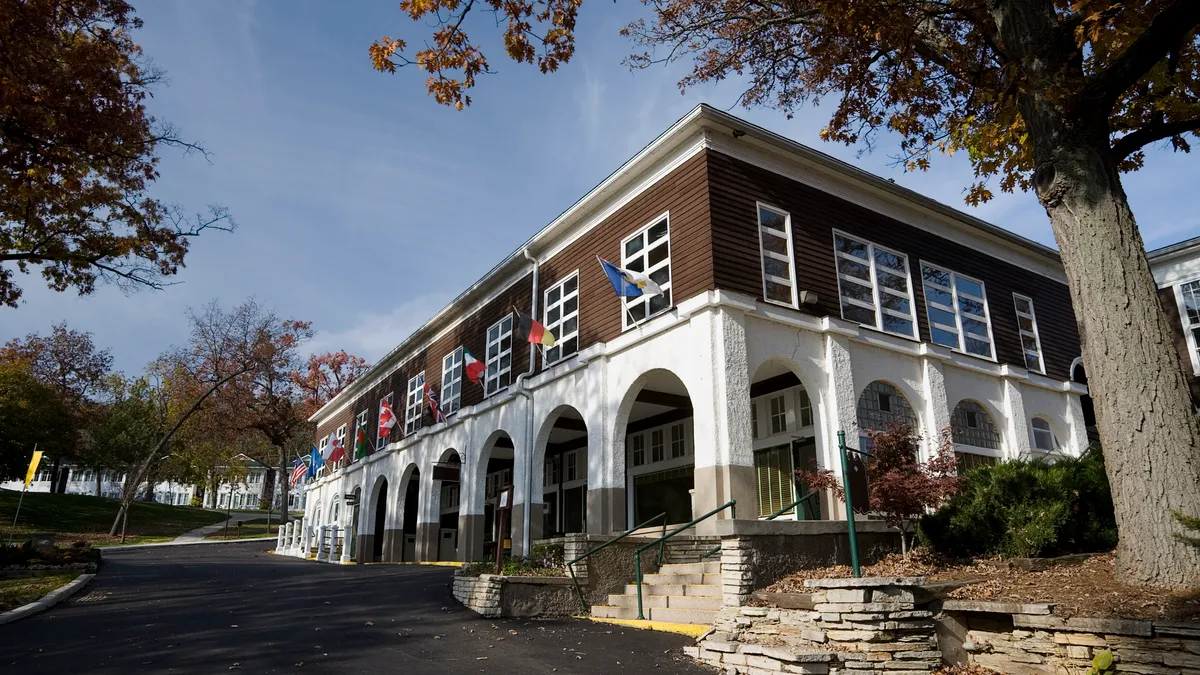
pixel 256 527
pixel 87 518
pixel 17 592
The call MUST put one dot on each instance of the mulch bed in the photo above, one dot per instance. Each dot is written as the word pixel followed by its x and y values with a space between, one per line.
pixel 1088 588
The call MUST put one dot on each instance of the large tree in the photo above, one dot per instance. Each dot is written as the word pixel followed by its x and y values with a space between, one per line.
pixel 326 375
pixel 32 415
pixel 1060 96
pixel 78 152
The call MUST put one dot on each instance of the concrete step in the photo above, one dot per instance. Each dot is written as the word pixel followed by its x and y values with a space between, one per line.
pixel 681 579
pixel 700 617
pixel 706 567
pixel 672 601
pixel 707 590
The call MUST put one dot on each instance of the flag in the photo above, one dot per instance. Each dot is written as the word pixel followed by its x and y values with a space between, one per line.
pixel 472 367
pixel 387 418
pixel 534 331
pixel 299 470
pixel 314 463
pixel 360 442
pixel 438 416
pixel 336 452
pixel 33 465
pixel 627 283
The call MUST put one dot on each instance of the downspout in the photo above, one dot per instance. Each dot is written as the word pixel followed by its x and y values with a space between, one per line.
pixel 520 388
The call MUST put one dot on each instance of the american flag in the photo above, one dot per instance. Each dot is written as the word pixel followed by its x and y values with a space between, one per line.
pixel 299 470
pixel 433 405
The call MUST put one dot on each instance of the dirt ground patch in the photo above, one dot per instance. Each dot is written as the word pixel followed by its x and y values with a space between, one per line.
pixel 1087 589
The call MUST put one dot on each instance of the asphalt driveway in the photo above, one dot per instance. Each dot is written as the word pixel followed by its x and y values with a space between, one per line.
pixel 221 607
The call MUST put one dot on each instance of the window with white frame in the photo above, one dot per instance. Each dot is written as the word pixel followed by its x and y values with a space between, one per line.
pixel 572 466
pixel 778 414
pixel 412 403
pixel 1043 435
pixel 340 435
pixel 499 356
pixel 360 421
pixel 874 286
pixel 452 374
pixel 648 251
pixel 958 312
pixel 323 444
pixel 638 445
pixel 778 259
pixel 657 446
pixel 562 318
pixel 1031 344
pixel 1189 312
pixel 678 441
pixel 381 441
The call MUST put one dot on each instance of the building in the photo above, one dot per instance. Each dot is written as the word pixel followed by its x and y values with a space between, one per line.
pixel 802 297
pixel 247 493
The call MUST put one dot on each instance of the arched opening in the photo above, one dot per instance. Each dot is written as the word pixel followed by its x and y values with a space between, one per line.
pixel 976 439
pixel 881 405
pixel 659 450
pixel 496 462
pixel 446 476
pixel 564 475
pixel 411 511
pixel 380 522
pixel 1079 375
pixel 783 426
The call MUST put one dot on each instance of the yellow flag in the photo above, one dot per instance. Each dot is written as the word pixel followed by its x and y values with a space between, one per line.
pixel 33 465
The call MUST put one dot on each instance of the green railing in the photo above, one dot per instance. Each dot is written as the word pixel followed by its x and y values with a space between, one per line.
pixel 610 542
pixel 793 505
pixel 637 554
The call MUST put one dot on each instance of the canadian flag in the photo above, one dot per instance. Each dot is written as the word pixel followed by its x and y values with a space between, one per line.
pixel 387 418
pixel 472 367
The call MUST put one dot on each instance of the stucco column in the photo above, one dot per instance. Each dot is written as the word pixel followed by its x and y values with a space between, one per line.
pixel 470 514
pixel 428 508
pixel 724 470
pixel 1016 427
pixel 1076 423
pixel 606 508
pixel 841 404
pixel 937 406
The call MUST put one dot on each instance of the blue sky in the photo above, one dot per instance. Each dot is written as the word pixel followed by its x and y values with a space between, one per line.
pixel 364 207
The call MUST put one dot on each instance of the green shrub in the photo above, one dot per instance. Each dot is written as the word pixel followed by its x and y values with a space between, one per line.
pixel 1027 508
pixel 545 560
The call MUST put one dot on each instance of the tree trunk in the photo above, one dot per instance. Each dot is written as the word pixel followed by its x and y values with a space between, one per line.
pixel 284 478
pixel 1149 430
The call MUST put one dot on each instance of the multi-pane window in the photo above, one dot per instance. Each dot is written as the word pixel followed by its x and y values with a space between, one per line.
pixel 638 444
pixel 1190 313
pixel 754 419
pixel 452 373
pixel 778 260
pixel 972 425
pixel 572 465
pixel 550 474
pixel 778 414
pixel 412 403
pixel 648 251
pixel 880 405
pixel 341 435
pixel 678 442
pixel 874 286
pixel 657 449
pixel 1043 435
pixel 806 414
pixel 382 440
pixel 1031 344
pixel 499 356
pixel 360 422
pixel 958 313
pixel 562 318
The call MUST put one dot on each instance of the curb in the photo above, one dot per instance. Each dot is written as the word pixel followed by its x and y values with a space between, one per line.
pixel 691 630
pixel 48 600
pixel 126 547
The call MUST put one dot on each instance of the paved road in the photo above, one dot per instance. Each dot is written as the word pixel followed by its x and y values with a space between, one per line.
pixel 215 608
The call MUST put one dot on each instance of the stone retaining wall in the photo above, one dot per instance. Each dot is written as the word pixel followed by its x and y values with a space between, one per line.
pixel 1029 640
pixel 492 596
pixel 479 594
pixel 856 627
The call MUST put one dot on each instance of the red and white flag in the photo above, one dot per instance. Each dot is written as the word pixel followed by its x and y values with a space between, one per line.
pixel 472 367
pixel 336 452
pixel 387 418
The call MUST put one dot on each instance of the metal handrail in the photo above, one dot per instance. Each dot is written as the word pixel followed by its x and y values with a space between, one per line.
pixel 637 554
pixel 610 542
pixel 793 505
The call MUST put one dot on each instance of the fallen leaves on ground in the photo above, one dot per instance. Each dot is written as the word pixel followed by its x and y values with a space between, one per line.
pixel 1088 588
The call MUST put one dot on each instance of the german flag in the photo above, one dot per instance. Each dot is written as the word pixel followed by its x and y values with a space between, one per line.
pixel 534 331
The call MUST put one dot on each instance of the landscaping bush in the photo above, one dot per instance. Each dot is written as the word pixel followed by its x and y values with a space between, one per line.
pixel 545 560
pixel 1027 508
pixel 26 555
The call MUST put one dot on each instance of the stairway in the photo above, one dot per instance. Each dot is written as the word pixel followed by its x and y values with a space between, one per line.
pixel 688 549
pixel 678 593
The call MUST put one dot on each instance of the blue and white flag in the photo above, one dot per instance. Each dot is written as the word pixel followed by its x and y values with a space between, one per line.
pixel 627 283
pixel 315 462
